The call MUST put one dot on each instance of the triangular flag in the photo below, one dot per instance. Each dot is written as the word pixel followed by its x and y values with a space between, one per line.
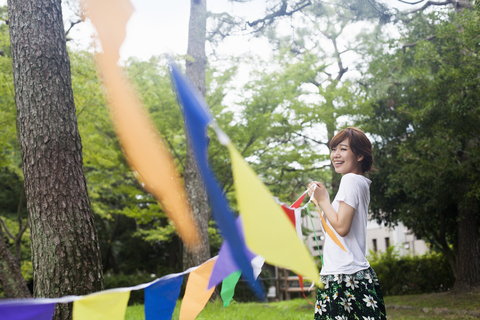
pixel 268 231
pixel 196 294
pixel 290 213
pixel 197 117
pixel 298 202
pixel 228 287
pixel 161 298
pixel 24 311
pixel 101 306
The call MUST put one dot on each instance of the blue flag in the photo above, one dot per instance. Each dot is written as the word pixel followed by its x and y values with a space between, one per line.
pixel 161 298
pixel 197 117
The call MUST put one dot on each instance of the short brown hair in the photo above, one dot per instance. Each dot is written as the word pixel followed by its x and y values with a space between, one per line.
pixel 359 144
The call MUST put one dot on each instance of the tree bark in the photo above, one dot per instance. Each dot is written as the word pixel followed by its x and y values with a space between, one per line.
pixel 65 252
pixel 196 65
pixel 468 253
pixel 11 279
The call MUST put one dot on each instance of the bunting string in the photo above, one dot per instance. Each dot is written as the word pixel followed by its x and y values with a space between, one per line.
pixel 160 296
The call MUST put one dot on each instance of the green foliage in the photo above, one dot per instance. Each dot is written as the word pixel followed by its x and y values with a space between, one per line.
pixel 411 274
pixel 9 148
pixel 426 110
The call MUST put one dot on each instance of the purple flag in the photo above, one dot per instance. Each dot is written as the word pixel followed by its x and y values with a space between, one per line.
pixel 25 311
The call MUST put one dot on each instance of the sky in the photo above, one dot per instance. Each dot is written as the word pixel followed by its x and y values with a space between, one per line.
pixel 158 27
pixel 161 26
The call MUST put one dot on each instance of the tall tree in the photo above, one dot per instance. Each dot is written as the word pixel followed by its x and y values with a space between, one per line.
pixel 321 44
pixel 65 251
pixel 11 178
pixel 195 67
pixel 426 109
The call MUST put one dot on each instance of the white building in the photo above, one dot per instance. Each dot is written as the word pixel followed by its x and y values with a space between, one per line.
pixel 379 238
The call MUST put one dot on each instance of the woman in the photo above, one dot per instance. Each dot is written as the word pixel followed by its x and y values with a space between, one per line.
pixel 352 290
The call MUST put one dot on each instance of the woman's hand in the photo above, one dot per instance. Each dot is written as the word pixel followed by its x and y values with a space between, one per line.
pixel 319 191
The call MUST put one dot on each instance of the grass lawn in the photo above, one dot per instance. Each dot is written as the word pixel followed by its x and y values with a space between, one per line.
pixel 425 306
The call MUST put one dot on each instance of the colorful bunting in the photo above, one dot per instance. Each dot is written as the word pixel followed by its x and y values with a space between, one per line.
pixel 144 148
pixel 197 118
pixel 110 304
pixel 268 231
pixel 196 293
pixel 228 287
pixel 161 298
pixel 25 311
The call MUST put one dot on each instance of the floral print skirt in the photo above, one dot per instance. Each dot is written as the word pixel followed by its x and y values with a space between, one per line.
pixel 350 296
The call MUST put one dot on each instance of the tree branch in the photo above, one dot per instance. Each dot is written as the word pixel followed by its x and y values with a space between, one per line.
pixel 409 45
pixel 282 11
pixel 431 3
pixel 411 3
pixel 374 7
pixel 72 24
pixel 305 137
pixel 6 230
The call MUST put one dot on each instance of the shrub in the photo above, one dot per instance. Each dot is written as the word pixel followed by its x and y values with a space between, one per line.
pixel 411 274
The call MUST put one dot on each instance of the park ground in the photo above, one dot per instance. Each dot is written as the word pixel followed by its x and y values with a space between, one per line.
pixel 444 305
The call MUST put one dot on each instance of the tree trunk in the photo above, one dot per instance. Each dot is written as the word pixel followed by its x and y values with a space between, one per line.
pixel 468 253
pixel 11 278
pixel 193 183
pixel 65 252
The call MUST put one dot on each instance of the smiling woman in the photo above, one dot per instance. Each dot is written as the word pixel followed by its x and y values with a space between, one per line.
pixel 352 287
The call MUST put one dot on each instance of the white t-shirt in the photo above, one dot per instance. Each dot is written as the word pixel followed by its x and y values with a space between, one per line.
pixel 354 190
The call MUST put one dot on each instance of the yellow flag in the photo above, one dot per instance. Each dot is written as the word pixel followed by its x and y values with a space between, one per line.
pixel 196 294
pixel 268 231
pixel 144 149
pixel 101 306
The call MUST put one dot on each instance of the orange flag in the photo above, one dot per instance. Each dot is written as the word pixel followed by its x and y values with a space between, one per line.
pixel 144 148
pixel 196 294
pixel 327 228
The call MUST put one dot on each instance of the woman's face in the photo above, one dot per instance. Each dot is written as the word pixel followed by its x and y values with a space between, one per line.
pixel 344 160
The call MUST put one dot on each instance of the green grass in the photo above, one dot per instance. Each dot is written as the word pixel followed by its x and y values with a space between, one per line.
pixel 445 305
pixel 294 309
pixel 440 306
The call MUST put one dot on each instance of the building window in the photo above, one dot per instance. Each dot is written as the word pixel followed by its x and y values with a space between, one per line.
pixel 387 242
pixel 375 249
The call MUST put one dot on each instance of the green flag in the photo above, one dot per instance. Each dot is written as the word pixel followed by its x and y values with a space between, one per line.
pixel 228 287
